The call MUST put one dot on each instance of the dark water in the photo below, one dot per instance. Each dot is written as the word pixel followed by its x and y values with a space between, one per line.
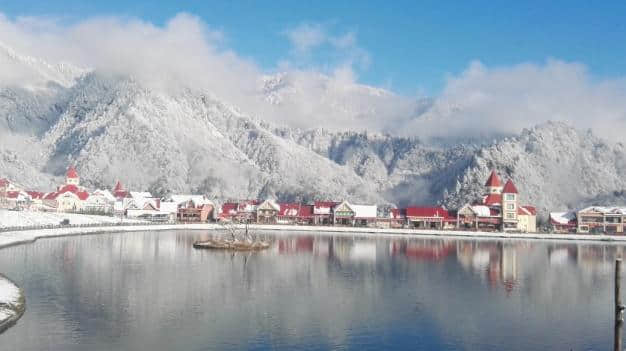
pixel 153 291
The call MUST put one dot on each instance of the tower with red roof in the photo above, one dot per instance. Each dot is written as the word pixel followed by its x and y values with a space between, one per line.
pixel 71 177
pixel 509 206
pixel 493 184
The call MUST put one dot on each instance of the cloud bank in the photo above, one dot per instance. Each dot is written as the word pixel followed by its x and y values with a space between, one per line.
pixel 186 53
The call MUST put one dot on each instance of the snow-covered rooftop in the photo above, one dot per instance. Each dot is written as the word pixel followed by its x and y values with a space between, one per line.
pixel 562 217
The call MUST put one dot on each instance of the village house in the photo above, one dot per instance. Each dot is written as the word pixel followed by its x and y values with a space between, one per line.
pixel 267 211
pixel 295 213
pixel 228 212
pixel 119 192
pixel 99 202
pixel 8 188
pixel 395 218
pixel 597 219
pixel 246 211
pixel 142 205
pixel 429 218
pixel 190 208
pixel 36 201
pixel 323 212
pixel 348 214
pixel 17 199
pixel 563 222
pixel 69 197
pixel 479 217
pixel 499 209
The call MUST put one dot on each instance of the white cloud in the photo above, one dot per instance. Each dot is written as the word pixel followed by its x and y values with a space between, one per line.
pixel 187 53
pixel 485 101
pixel 306 37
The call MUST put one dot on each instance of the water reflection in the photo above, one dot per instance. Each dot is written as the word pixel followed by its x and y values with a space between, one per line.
pixel 141 291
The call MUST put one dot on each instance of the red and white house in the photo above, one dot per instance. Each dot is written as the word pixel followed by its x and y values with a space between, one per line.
pixel 323 212
pixel 295 213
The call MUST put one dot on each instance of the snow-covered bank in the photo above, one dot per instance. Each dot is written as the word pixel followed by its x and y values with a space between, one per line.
pixel 12 219
pixel 11 303
pixel 26 236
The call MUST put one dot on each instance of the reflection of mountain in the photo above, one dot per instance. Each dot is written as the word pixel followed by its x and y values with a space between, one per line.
pixel 153 291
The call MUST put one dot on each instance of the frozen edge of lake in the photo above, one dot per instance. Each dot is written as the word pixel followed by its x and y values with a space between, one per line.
pixel 28 236
pixel 12 303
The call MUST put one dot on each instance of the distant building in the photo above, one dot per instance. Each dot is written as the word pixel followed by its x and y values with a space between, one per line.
pixel 597 219
pixel 355 215
pixel 323 212
pixel 429 218
pixel 499 209
pixel 563 222
pixel 267 212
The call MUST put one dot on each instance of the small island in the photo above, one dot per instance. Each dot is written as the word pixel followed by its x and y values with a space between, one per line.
pixel 236 241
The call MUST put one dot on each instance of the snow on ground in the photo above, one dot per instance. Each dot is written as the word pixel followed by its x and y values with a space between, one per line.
pixel 9 293
pixel 30 218
pixel 11 303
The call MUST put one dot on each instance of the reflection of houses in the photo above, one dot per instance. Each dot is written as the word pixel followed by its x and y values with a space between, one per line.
pixel 323 212
pixel 426 250
pixel 354 215
pixel 601 220
pixel 429 218
pixel 563 222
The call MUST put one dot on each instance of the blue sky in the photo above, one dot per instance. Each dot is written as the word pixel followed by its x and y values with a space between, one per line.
pixel 411 46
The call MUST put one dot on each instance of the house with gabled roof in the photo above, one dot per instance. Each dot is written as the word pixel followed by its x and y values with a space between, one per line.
pixel 101 201
pixel 563 222
pixel 355 215
pixel 267 212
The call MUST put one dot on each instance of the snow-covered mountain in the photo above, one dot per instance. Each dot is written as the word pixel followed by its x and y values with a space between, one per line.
pixel 114 127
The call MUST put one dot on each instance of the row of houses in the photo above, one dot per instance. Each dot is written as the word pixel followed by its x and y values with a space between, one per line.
pixel 72 197
pixel 594 219
pixel 498 209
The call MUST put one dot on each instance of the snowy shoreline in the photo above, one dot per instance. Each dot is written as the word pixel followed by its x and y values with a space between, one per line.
pixel 11 238
pixel 12 304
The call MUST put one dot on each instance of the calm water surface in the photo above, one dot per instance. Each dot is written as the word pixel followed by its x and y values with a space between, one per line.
pixel 153 291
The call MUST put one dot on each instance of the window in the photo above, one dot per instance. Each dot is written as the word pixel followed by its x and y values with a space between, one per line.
pixel 510 215
pixel 510 206
pixel 509 197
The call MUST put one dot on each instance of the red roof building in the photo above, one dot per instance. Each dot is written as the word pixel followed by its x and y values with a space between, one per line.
pixel 71 173
pixel 493 180
pixel 119 192
pixel 493 200
pixel 509 188
pixel 429 218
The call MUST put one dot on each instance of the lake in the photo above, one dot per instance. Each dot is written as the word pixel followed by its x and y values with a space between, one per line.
pixel 153 291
